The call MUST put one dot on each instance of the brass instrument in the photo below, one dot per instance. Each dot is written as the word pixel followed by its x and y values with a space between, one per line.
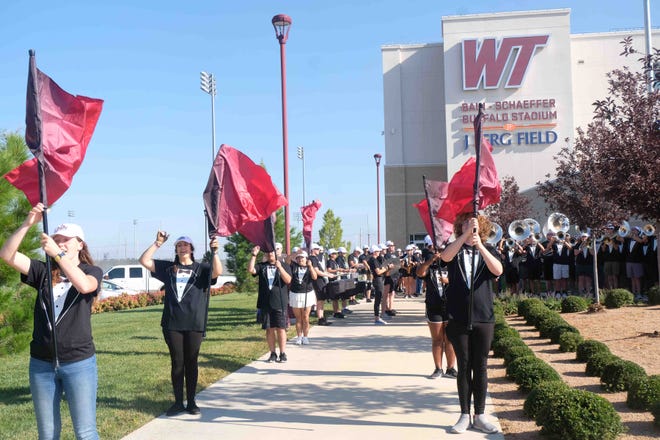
pixel 510 242
pixel 624 229
pixel 535 228
pixel 519 230
pixel 648 230
pixel 559 224
pixel 495 235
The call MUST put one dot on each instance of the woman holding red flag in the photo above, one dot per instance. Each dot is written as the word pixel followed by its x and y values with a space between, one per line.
pixel 69 368
pixel 471 331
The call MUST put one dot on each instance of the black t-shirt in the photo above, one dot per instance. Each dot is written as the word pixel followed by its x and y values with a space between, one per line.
pixel 301 279
pixel 375 263
pixel 273 291
pixel 184 307
pixel 435 294
pixel 74 327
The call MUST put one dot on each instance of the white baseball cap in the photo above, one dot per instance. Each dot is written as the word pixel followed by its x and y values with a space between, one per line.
pixel 428 241
pixel 301 254
pixel 315 246
pixel 375 248
pixel 389 243
pixel 70 230
pixel 278 246
pixel 184 239
pixel 332 251
pixel 341 249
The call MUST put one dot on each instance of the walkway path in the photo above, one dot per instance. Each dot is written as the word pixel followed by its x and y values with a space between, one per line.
pixel 354 381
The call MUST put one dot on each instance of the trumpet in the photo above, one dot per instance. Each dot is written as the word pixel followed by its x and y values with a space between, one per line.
pixel 510 242
pixel 495 235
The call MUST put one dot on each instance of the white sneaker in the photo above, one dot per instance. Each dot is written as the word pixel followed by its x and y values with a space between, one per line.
pixel 305 341
pixel 482 424
pixel 461 425
pixel 297 340
pixel 380 321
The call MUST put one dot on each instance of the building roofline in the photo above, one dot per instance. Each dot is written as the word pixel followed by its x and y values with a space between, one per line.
pixel 471 17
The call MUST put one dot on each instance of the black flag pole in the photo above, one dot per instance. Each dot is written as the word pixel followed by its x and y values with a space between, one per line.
pixel 428 202
pixel 33 138
pixel 475 202
pixel 212 256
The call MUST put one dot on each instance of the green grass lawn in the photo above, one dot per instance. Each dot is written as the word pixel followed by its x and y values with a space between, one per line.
pixel 134 367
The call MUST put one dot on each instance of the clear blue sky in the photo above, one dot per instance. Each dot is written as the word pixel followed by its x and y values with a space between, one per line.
pixel 150 156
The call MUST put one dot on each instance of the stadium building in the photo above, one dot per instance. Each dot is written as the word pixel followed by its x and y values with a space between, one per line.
pixel 538 83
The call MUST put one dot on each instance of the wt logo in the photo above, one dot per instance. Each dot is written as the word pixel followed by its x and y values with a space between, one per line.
pixel 488 61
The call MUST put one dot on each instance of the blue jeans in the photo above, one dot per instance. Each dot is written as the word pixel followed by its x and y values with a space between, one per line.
pixel 78 382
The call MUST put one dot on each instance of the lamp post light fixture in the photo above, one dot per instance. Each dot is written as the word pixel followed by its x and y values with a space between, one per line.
pixel 301 156
pixel 207 84
pixel 377 158
pixel 282 25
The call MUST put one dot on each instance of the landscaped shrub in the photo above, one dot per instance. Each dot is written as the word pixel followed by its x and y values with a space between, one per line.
pixel 508 304
pixel 618 298
pixel 654 295
pixel 526 304
pixel 501 345
pixel 537 314
pixel 557 331
pixel 503 331
pixel 588 348
pixel 643 392
pixel 617 375
pixel 655 410
pixel 515 352
pixel 531 371
pixel 573 304
pixel 580 415
pixel 550 321
pixel 513 366
pixel 553 304
pixel 569 341
pixel 543 393
pixel 596 363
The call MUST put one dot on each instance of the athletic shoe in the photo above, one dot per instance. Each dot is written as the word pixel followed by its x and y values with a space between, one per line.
pixel 175 409
pixel 368 300
pixel 451 372
pixel 282 358
pixel 390 312
pixel 338 315
pixel 323 321
pixel 436 373
pixel 346 311
pixel 273 357
pixel 380 321
pixel 305 340
pixel 297 340
pixel 192 408
pixel 461 425
pixel 482 424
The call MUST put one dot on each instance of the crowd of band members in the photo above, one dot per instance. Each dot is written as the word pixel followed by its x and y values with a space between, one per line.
pixel 566 266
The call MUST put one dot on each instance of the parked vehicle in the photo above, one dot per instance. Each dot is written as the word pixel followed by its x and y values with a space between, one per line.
pixel 133 276
pixel 110 289
pixel 228 280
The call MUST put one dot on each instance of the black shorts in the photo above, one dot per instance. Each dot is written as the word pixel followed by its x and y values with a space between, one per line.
pixel 437 313
pixel 389 281
pixel 273 319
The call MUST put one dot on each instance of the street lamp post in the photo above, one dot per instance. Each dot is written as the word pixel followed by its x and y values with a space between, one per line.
pixel 377 158
pixel 207 84
pixel 301 156
pixel 282 25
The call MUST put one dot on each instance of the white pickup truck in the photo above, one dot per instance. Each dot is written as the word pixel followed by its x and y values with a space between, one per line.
pixel 136 277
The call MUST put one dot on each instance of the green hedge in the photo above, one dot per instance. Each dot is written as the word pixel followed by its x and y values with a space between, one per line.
pixel 655 410
pixel 527 371
pixel 501 345
pixel 569 341
pixel 618 298
pixel 515 352
pixel 525 305
pixel 618 374
pixel 548 322
pixel 543 394
pixel 654 295
pixel 557 331
pixel 588 348
pixel 597 362
pixel 573 304
pixel 579 415
pixel 643 392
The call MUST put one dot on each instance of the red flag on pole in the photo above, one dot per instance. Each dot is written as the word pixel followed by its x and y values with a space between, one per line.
pixel 238 192
pixel 260 233
pixel 59 127
pixel 308 216
pixel 438 229
pixel 460 192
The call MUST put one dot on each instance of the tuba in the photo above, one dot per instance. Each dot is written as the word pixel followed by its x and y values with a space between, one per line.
pixel 535 228
pixel 495 235
pixel 559 224
pixel 624 229
pixel 648 230
pixel 519 230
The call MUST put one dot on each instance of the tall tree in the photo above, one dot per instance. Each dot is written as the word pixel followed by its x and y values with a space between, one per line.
pixel 512 205
pixel 330 234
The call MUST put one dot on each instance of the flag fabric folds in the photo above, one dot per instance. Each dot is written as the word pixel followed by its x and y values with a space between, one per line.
pixel 438 229
pixel 240 197
pixel 308 216
pixel 59 127
pixel 460 192
pixel 260 233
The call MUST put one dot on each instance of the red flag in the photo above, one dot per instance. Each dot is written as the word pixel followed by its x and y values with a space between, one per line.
pixel 59 128
pixel 460 193
pixel 308 216
pixel 238 192
pixel 436 193
pixel 260 233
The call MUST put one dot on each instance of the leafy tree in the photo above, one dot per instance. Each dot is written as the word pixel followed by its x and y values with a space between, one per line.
pixel 330 234
pixel 512 205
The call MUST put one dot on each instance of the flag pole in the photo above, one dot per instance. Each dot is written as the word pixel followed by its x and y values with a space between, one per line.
pixel 475 202
pixel 428 203
pixel 208 292
pixel 33 137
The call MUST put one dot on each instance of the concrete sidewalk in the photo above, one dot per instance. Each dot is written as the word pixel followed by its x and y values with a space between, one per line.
pixel 355 380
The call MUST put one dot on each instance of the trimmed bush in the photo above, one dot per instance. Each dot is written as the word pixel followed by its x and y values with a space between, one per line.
pixel 643 392
pixel 569 341
pixel 515 352
pixel 618 298
pixel 617 375
pixel 508 304
pixel 588 348
pixel 501 345
pixel 533 371
pixel 551 321
pixel 553 304
pixel 655 410
pixel 557 331
pixel 516 364
pixel 503 331
pixel 573 304
pixel 525 305
pixel 580 415
pixel 654 295
pixel 538 314
pixel 597 362
pixel 543 394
